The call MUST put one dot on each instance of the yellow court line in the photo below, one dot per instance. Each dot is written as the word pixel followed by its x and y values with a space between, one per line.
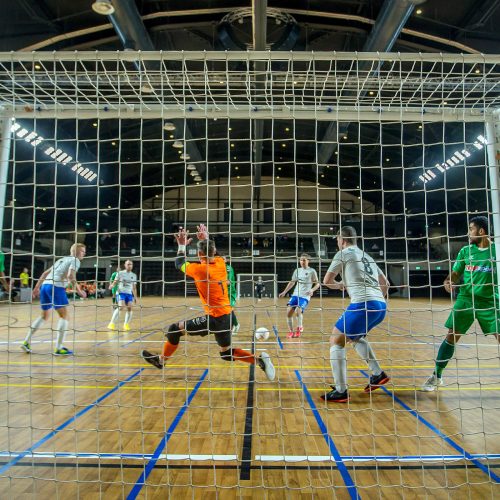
pixel 225 366
pixel 274 389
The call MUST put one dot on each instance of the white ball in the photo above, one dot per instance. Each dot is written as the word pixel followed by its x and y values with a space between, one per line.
pixel 262 333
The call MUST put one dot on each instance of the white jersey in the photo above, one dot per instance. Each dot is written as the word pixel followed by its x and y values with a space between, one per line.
pixel 305 279
pixel 58 275
pixel 126 281
pixel 359 274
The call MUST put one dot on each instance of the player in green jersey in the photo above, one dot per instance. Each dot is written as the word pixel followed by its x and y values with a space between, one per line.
pixel 233 294
pixel 114 290
pixel 477 298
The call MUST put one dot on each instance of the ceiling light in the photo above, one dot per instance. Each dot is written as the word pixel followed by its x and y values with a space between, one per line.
pixel 37 66
pixel 171 136
pixel 193 173
pixel 419 11
pixel 94 124
pixel 191 167
pixel 103 7
pixel 197 178
pixel 185 157
pixel 147 88
pixel 287 130
pixel 169 126
pixel 178 144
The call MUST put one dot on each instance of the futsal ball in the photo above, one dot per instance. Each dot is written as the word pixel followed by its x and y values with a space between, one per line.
pixel 262 333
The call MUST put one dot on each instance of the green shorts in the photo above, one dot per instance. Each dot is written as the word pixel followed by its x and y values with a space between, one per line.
pixel 464 312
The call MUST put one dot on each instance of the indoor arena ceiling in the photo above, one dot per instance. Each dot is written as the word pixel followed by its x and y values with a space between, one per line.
pixel 448 26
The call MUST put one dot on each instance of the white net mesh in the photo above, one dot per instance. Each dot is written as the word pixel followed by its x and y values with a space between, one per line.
pixel 119 151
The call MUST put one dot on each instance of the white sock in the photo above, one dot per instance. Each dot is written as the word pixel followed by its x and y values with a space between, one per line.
pixel 34 327
pixel 116 315
pixel 290 323
pixel 128 316
pixel 62 326
pixel 365 351
pixel 299 320
pixel 338 362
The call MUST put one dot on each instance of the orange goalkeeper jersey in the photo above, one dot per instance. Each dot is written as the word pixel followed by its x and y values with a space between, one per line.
pixel 210 279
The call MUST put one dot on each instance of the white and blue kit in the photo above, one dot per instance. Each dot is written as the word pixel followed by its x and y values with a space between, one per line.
pixel 360 276
pixel 126 281
pixel 53 289
pixel 306 279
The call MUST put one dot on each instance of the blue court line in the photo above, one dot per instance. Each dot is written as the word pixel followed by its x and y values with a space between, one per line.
pixel 50 435
pixel 351 487
pixel 434 429
pixel 275 330
pixel 161 446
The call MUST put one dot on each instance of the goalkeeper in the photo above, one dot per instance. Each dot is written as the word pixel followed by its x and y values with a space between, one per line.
pixel 233 294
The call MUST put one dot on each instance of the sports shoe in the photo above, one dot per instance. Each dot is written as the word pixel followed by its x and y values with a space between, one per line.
pixel 152 359
pixel 335 396
pixel 290 334
pixel 236 329
pixel 298 332
pixel 267 366
pixel 377 381
pixel 111 326
pixel 432 383
pixel 63 352
pixel 26 347
pixel 126 327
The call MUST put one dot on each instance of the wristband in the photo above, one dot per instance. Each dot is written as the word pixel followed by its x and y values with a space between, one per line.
pixel 181 249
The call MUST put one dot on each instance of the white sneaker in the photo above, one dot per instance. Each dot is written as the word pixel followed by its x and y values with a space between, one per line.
pixel 432 383
pixel 267 365
pixel 236 329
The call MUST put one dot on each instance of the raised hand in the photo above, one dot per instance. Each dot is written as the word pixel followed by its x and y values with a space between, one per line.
pixel 182 237
pixel 202 232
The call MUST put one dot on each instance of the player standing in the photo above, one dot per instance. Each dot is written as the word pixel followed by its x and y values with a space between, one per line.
pixel 127 295
pixel 233 294
pixel 367 287
pixel 477 298
pixel 114 289
pixel 306 282
pixel 210 277
pixel 52 290
pixel 260 288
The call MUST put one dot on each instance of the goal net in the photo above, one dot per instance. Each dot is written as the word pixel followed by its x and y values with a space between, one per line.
pixel 274 152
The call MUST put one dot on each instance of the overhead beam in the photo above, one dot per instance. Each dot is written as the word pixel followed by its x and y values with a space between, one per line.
pixel 385 31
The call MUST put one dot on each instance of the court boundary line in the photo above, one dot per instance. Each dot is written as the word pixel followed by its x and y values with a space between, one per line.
pixel 351 487
pixel 436 431
pixel 141 480
pixel 62 426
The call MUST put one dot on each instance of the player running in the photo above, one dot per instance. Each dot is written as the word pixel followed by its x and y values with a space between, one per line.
pixel 52 290
pixel 477 298
pixel 367 287
pixel 306 282
pixel 210 277
pixel 127 295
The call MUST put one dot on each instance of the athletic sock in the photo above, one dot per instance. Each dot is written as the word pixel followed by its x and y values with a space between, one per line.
pixel 445 353
pixel 338 363
pixel 168 349
pixel 290 323
pixel 128 316
pixel 365 351
pixel 116 315
pixel 299 320
pixel 242 355
pixel 62 326
pixel 34 327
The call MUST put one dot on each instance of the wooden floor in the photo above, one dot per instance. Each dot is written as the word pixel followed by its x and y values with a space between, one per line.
pixel 103 423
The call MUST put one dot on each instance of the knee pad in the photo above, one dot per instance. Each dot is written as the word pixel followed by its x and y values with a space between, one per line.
pixel 174 335
pixel 227 355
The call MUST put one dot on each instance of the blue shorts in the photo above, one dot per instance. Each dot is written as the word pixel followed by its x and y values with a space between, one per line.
pixel 358 319
pixel 301 302
pixel 125 297
pixel 53 297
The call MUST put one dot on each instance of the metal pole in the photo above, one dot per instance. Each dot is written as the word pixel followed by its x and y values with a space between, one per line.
pixel 5 142
pixel 493 159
